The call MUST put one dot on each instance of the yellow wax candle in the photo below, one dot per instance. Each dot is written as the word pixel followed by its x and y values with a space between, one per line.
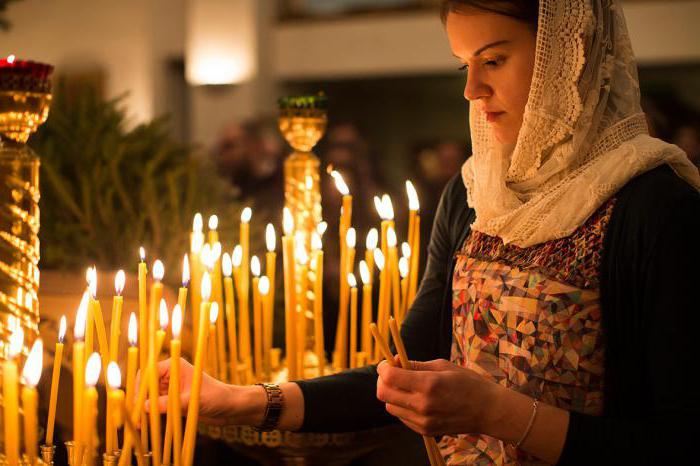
pixel 341 338
pixel 55 378
pixel 211 352
pixel 366 319
pixel 131 360
pixel 382 317
pixel 11 398
pixel 318 303
pixel 257 317
pixel 393 268
pixel 370 246
pixel 196 243
pixel 243 307
pixel 352 281
pixel 415 262
pixel 174 388
pixel 101 335
pixel 153 381
pixel 182 292
pixel 115 402
pixel 89 416
pixel 403 271
pixel 289 294
pixel 270 272
pixel 30 377
pixel 90 326
pixel 79 370
pixel 264 290
pixel 196 385
pixel 143 330
pixel 227 268
pixel 302 260
pixel 346 212
pixel 116 318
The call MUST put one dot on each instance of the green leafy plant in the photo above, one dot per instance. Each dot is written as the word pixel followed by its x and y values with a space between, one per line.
pixel 108 189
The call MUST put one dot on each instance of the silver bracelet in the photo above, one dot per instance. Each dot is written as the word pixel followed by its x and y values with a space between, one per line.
pixel 529 424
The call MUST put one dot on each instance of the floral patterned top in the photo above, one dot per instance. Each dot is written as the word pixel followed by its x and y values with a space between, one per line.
pixel 529 319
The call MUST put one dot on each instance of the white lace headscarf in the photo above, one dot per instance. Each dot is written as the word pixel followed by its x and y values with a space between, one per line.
pixel 583 136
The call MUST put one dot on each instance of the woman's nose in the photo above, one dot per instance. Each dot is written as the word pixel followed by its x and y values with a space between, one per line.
pixel 475 88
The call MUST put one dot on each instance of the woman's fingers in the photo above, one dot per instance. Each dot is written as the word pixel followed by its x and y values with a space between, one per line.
pixel 402 379
pixel 162 404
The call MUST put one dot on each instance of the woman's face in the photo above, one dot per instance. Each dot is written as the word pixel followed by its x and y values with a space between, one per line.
pixel 498 53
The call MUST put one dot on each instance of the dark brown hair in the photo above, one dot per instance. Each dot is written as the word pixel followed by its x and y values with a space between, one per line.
pixel 522 10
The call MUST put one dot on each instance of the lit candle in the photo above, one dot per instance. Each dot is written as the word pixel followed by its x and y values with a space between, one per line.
pixel 55 378
pixel 90 325
pixel 174 387
pixel 341 337
pixel 196 243
pixel 79 372
pixel 227 268
pixel 115 402
pixel 195 388
pixel 343 293
pixel 414 241
pixel 30 376
pixel 257 317
pixel 264 290
pixel 393 268
pixel 143 331
pixel 92 373
pixel 403 271
pixel 211 367
pixel 153 392
pixel 352 282
pixel 131 367
pixel 116 318
pixel 317 247
pixel 370 245
pixel 182 292
pixel 243 307
pixel 302 259
pixel 99 320
pixel 346 213
pixel 289 293
pixel 11 397
pixel 382 308
pixel 270 271
pixel 365 337
pixel 217 296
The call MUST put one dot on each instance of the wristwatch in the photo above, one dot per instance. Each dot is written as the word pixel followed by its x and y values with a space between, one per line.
pixel 275 402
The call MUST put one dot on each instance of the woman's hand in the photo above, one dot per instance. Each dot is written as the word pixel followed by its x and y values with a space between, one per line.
pixel 219 403
pixel 436 397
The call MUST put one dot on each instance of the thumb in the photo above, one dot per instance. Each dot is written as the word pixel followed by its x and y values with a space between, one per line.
pixel 434 365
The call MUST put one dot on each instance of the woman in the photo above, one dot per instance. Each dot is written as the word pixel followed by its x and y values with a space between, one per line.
pixel 559 284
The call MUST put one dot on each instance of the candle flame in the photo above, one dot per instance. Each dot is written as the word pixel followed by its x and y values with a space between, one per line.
pixel 372 239
pixel 163 314
pixel 340 183
pixel 62 329
pixel 405 249
pixel 391 237
pixel 246 215
pixel 316 243
pixel 32 368
pixel 255 266
pixel 403 267
pixel 16 342
pixel 364 272
pixel 185 271
pixel 10 59
pixel 205 257
pixel 226 265
pixel 388 207
pixel 196 243
pixel 237 256
pixel 379 259
pixel 197 223
pixel 142 253
pixel 413 203
pixel 114 376
pixel 352 281
pixel 213 312
pixel 92 369
pixel 264 285
pixel 119 281
pixel 287 221
pixel 321 228
pixel 379 206
pixel 215 253
pixel 81 318
pixel 351 238
pixel 206 286
pixel 158 270
pixel 213 222
pixel 301 255
pixel 92 281
pixel 177 321
pixel 270 238
pixel 133 330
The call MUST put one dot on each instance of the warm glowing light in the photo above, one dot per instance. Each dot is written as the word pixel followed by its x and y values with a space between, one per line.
pixel 196 243
pixel 92 281
pixel 32 368
pixel 185 271
pixel 92 369
pixel 255 266
pixel 364 272
pixel 287 221
pixel 81 318
pixel 413 203
pixel 205 256
pixel 197 223
pixel 372 239
pixel 226 265
pixel 352 281
pixel 321 228
pixel 177 321
pixel 114 376
pixel 379 259
pixel 388 207
pixel 237 256
pixel 163 314
pixel 351 238
pixel 213 312
pixel 206 286
pixel 158 270
pixel 340 183
pixel 379 206
pixel 133 330
pixel 246 215
pixel 62 329
pixel 301 255
pixel 142 254
pixel 316 243
pixel 391 237
pixel 403 267
pixel 405 249
pixel 270 238
pixel 309 182
pixel 215 252
pixel 213 222
pixel 264 285
pixel 119 281
pixel 16 342
pixel 10 59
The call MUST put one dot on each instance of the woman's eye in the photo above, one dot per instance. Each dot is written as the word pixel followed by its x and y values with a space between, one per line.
pixel 493 63
pixel 463 68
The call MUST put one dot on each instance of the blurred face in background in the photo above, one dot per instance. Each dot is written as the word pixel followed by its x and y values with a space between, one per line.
pixel 497 53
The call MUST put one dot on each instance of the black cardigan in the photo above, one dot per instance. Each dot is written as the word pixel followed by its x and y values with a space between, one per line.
pixel 649 270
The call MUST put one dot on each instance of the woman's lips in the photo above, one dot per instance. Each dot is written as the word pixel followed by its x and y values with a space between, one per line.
pixel 493 116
